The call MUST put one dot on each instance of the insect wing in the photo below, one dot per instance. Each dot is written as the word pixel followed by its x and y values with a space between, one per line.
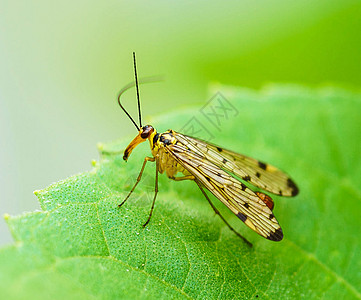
pixel 262 175
pixel 242 201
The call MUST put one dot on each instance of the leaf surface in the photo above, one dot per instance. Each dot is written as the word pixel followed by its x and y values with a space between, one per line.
pixel 82 246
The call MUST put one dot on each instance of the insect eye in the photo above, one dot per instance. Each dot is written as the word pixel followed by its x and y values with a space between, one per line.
pixel 147 130
pixel 144 134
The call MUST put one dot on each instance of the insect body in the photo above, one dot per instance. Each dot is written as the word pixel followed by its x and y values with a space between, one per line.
pixel 183 157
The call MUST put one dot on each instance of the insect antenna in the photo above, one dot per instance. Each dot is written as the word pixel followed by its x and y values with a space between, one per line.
pixel 136 83
pixel 122 107
pixel 137 88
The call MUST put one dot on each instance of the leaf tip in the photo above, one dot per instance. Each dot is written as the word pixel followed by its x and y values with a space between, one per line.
pixel 37 192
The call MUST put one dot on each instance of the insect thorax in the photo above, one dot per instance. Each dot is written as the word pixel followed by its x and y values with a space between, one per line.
pixel 160 140
pixel 158 143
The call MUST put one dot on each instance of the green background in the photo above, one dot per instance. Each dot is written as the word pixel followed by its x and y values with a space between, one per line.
pixel 62 64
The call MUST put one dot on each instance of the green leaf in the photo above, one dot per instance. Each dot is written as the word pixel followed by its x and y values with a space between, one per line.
pixel 82 246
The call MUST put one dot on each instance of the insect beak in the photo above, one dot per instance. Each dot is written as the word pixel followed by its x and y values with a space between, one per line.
pixel 134 143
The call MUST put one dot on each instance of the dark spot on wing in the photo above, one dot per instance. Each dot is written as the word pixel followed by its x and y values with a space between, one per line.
pixel 271 216
pixel 242 216
pixel 266 199
pixel 293 186
pixel 280 192
pixel 262 165
pixel 243 186
pixel 258 175
pixel 219 149
pixel 246 205
pixel 246 178
pixel 224 160
pixel 208 179
pixel 276 236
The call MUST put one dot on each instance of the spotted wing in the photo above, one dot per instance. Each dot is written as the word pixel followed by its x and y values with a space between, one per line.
pixel 242 201
pixel 262 175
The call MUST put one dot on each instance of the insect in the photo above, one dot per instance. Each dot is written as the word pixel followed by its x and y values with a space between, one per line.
pixel 213 168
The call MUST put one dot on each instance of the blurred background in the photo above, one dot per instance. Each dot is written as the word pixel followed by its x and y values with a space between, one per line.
pixel 62 64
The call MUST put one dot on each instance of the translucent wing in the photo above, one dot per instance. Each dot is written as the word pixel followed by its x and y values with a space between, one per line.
pixel 242 201
pixel 262 175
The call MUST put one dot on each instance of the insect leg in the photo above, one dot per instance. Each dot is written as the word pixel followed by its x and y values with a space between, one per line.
pixel 219 214
pixel 155 191
pixel 146 159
